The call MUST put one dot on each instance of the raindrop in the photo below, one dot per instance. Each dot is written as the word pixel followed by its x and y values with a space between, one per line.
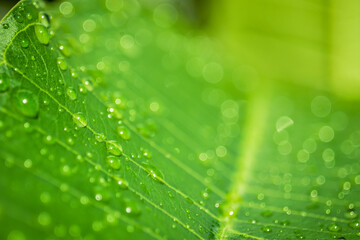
pixel 4 83
pixel 266 229
pixel 79 119
pixel 123 132
pixel 155 173
pixel 19 18
pixel 334 227
pixel 26 102
pixel 132 208
pixel 71 93
pixel 62 63
pixel 42 34
pixel 44 19
pixel 65 50
pixel 123 184
pixel 114 148
pixel 114 162
pixel 326 134
pixel 5 25
pixel 100 137
pixel 355 224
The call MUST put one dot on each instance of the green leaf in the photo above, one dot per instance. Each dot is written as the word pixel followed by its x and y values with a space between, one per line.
pixel 116 123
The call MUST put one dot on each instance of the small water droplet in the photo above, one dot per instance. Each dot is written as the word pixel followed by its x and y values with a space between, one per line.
pixel 355 224
pixel 132 208
pixel 123 132
pixel 26 102
pixel 62 63
pixel 42 34
pixel 24 43
pixel 155 173
pixel 5 25
pixel 100 137
pixel 79 119
pixel 65 50
pixel 266 229
pixel 114 148
pixel 18 17
pixel 88 84
pixel 334 227
pixel 71 93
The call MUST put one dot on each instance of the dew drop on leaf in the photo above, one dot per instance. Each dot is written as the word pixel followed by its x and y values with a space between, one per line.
pixel 44 19
pixel 79 119
pixel 42 34
pixel 71 93
pixel 26 102
pixel 334 227
pixel 5 25
pixel 62 63
pixel 4 83
pixel 113 162
pixel 355 224
pixel 114 148
pixel 18 17
pixel 123 132
pixel 283 122
pixel 266 229
pixel 100 137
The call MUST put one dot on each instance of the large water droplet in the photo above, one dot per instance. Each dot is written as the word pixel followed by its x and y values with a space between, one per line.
pixel 79 119
pixel 123 132
pixel 44 19
pixel 114 148
pixel 26 102
pixel 42 34
pixel 114 162
pixel 326 134
pixel 334 227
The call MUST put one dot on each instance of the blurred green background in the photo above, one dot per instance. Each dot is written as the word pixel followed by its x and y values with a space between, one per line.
pixel 303 42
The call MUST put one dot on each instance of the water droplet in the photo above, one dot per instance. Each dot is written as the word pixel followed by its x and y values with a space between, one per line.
pixel 266 213
pixel 351 214
pixel 132 208
pixel 100 137
pixel 266 229
pixel 326 134
pixel 88 84
pixel 79 119
pixel 114 162
pixel 24 43
pixel 114 148
pixel 19 18
pixel 283 122
pixel 44 19
pixel 123 132
pixel 355 224
pixel 62 63
pixel 71 93
pixel 5 25
pixel 334 227
pixel 4 83
pixel 155 173
pixel 42 34
pixel 123 184
pixel 65 50
pixel 26 102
